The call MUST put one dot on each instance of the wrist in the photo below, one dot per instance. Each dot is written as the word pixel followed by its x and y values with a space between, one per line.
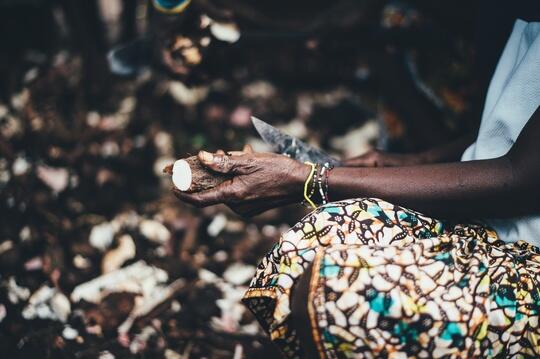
pixel 315 188
pixel 346 182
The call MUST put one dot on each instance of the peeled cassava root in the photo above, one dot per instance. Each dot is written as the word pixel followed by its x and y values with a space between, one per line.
pixel 189 175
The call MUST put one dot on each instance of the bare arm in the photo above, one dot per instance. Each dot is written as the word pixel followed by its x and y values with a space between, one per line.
pixel 462 189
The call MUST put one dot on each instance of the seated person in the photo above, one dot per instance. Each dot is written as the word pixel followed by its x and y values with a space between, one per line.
pixel 393 268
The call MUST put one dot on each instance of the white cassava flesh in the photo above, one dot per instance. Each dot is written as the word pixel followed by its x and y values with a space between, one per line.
pixel 190 175
pixel 181 175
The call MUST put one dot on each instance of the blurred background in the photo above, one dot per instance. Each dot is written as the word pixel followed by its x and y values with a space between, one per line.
pixel 97 258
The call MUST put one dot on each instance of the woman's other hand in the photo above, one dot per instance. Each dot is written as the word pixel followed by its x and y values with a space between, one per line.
pixel 377 158
pixel 261 181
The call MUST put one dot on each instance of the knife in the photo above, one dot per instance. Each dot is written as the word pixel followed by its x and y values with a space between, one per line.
pixel 291 146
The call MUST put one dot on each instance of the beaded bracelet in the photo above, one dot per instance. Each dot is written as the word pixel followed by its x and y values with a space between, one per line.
pixel 307 198
pixel 312 183
pixel 316 185
pixel 326 174
pixel 324 195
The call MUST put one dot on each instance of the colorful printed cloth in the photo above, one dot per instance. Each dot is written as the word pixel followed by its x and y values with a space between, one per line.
pixel 391 282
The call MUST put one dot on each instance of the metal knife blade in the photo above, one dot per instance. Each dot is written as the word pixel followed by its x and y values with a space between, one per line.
pixel 291 146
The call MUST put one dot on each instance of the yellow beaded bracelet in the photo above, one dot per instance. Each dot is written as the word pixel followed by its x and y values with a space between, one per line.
pixel 306 184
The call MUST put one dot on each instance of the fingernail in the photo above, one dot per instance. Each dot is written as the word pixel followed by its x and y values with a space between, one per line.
pixel 206 156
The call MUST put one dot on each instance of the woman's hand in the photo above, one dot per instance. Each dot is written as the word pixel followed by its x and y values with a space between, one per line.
pixel 377 158
pixel 261 181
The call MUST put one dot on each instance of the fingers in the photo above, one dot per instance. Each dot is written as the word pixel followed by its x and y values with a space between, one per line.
pixel 236 153
pixel 223 163
pixel 205 198
pixel 368 159
pixel 230 153
pixel 248 149
pixel 358 162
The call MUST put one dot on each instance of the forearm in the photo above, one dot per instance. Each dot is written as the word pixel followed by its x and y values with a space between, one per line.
pixel 501 187
pixel 473 189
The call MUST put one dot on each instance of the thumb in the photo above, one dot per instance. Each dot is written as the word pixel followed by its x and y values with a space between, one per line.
pixel 248 149
pixel 223 163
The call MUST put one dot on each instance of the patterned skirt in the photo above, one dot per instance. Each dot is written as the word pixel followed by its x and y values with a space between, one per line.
pixel 390 282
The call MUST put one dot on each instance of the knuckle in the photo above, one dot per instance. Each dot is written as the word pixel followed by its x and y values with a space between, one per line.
pixel 248 164
pixel 228 165
pixel 236 165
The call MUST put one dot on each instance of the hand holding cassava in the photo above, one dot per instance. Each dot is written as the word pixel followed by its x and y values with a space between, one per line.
pixel 260 181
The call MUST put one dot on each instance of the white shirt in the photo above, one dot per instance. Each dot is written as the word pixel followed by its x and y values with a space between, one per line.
pixel 512 98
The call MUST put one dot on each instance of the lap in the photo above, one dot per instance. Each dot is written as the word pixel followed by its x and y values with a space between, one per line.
pixel 449 296
pixel 389 279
